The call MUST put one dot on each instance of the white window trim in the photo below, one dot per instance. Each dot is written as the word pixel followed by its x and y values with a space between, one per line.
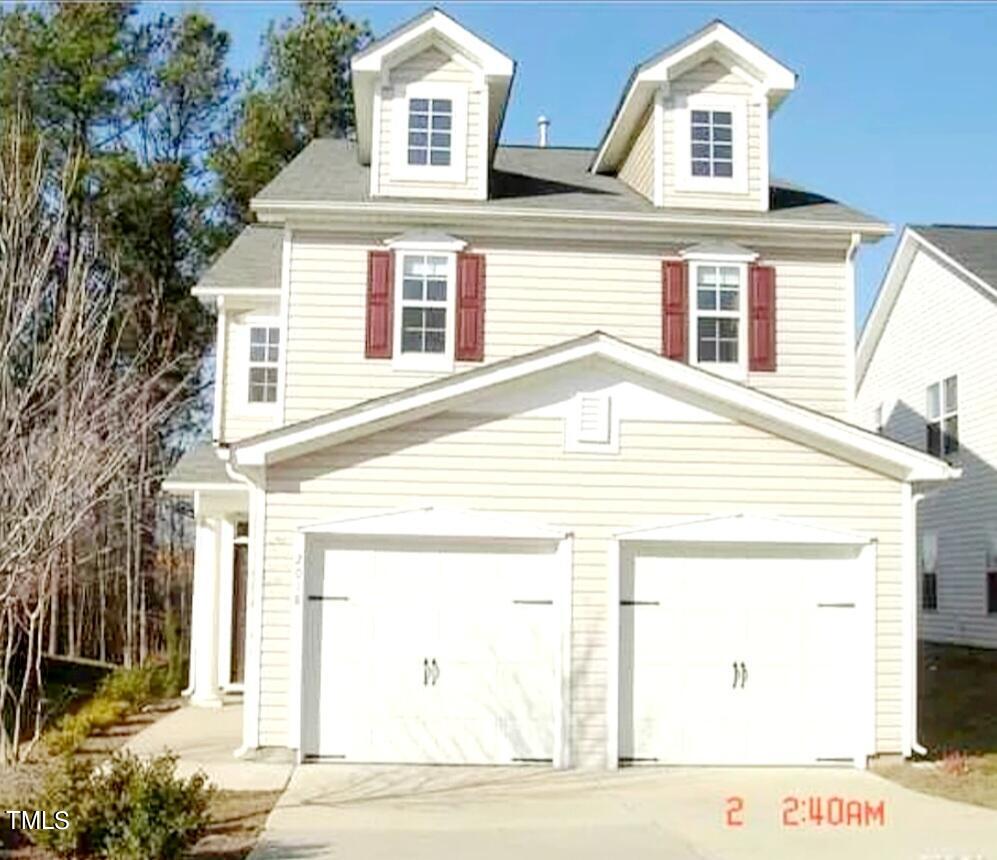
pixel 456 171
pixel 248 322
pixel 684 180
pixel 439 362
pixel 732 370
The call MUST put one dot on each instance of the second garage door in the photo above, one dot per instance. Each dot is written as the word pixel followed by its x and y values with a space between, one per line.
pixel 753 658
pixel 431 654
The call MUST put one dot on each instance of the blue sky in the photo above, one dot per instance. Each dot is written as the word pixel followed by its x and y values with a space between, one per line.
pixel 894 112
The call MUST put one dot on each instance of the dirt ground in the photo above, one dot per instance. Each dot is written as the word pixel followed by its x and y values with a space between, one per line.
pixel 958 725
pixel 237 817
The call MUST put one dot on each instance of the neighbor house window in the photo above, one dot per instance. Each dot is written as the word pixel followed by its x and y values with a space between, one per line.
pixel 718 314
pixel 424 303
pixel 429 130
pixel 991 568
pixel 927 563
pixel 264 354
pixel 942 418
pixel 712 141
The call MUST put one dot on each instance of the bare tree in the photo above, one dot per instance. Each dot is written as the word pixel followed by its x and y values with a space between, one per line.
pixel 79 389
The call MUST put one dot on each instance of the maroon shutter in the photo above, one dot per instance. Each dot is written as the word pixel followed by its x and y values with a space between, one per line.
pixel 674 310
pixel 761 318
pixel 470 307
pixel 380 288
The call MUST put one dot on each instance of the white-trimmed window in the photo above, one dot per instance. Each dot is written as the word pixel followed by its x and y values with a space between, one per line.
pixel 429 133
pixel 942 418
pixel 264 362
pixel 430 129
pixel 927 564
pixel 425 305
pixel 717 315
pixel 712 142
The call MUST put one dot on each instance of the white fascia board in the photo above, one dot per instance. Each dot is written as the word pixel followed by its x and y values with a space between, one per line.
pixel 738 401
pixel 742 528
pixel 248 292
pixel 972 277
pixel 436 522
pixel 187 487
pixel 278 211
pixel 491 60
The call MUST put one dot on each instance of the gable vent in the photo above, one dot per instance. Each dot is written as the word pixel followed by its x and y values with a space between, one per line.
pixel 593 418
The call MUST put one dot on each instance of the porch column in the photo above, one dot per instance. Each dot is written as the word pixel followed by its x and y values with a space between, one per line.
pixel 204 616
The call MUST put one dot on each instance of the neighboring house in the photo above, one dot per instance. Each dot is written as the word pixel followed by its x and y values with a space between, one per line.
pixel 528 454
pixel 927 376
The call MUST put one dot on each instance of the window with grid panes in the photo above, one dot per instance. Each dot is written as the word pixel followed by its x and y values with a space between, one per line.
pixel 429 131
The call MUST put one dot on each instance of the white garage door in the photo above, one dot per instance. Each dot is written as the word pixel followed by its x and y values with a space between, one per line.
pixel 431 655
pixel 743 660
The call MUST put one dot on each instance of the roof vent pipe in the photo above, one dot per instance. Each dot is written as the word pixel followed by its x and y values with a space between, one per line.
pixel 543 126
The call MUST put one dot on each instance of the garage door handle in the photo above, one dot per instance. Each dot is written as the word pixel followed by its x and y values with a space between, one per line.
pixel 436 672
pixel 744 675
pixel 425 671
pixel 734 685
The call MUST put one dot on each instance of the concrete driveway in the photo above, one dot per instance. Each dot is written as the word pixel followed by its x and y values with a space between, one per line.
pixel 418 813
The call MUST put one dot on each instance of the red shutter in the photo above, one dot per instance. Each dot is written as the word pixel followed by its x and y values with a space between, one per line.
pixel 380 290
pixel 674 310
pixel 470 307
pixel 761 318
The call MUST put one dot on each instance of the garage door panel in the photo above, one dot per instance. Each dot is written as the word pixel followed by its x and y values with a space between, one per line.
pixel 725 659
pixel 484 623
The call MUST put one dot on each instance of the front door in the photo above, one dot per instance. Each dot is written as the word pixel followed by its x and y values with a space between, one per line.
pixel 240 568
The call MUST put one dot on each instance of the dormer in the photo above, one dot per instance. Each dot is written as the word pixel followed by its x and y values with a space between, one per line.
pixel 430 98
pixel 692 127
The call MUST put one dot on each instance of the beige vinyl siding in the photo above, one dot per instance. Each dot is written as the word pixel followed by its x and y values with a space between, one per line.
pixel 637 169
pixel 942 326
pixel 711 78
pixel 536 298
pixel 240 418
pixel 431 66
pixel 518 465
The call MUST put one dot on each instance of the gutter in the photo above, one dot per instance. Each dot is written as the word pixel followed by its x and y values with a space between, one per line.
pixel 495 214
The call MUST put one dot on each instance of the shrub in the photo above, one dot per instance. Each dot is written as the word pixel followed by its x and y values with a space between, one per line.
pixel 127 810
pixel 136 686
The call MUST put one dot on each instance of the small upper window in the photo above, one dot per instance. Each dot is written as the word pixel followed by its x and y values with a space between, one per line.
pixel 942 426
pixel 429 128
pixel 718 314
pixel 264 354
pixel 712 143
pixel 425 289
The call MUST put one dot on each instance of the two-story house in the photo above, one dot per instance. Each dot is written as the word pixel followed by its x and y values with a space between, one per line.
pixel 925 369
pixel 538 454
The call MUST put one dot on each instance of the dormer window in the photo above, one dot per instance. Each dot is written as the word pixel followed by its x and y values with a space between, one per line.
pixel 712 143
pixel 430 123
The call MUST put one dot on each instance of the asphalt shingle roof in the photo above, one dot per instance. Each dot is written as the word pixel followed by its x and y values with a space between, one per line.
pixel 553 178
pixel 973 247
pixel 252 261
pixel 200 464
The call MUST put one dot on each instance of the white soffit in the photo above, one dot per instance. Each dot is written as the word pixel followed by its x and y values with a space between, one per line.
pixel 437 522
pixel 431 28
pixel 716 41
pixel 742 528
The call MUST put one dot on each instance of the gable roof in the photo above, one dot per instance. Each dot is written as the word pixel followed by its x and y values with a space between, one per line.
pixel 729 398
pixel 200 468
pixel 542 181
pixel 251 264
pixel 717 40
pixel 970 252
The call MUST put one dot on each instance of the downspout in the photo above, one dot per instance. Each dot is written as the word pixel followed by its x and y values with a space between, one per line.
pixel 850 344
pixel 915 744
